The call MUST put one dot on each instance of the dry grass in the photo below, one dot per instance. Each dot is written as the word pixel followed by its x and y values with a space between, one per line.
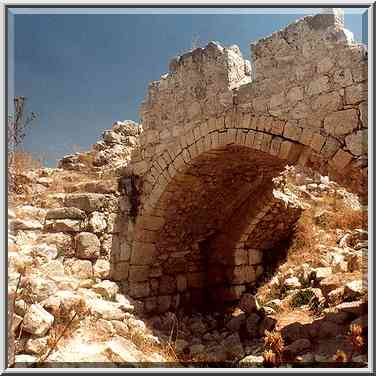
pixel 356 337
pixel 340 357
pixel 274 346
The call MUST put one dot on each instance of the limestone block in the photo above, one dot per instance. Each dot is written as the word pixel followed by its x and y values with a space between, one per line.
pixel 292 130
pixel 318 86
pixel 80 268
pixel 102 269
pixel 87 202
pixel 143 253
pixel 41 287
pixel 357 142
pixel 277 100
pixel 341 122
pixel 106 288
pixel 139 273
pixel 139 289
pixel 65 213
pixel 295 94
pixel 105 309
pixel 254 256
pixel 330 147
pixel 240 257
pixel 37 346
pixel 341 159
pixel 326 103
pixel 325 65
pixel 242 274
pixel 37 320
pixel 356 93
pixel 64 225
pixel 87 246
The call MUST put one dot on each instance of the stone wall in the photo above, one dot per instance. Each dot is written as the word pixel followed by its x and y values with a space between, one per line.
pixel 214 139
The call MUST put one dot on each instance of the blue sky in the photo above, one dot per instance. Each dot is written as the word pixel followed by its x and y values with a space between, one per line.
pixel 82 72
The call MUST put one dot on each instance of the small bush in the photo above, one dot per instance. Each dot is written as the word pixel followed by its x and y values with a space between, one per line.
pixel 302 297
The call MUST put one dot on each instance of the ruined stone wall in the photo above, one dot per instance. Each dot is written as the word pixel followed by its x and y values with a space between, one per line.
pixel 214 139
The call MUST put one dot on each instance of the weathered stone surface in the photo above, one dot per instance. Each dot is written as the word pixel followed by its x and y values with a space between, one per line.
pixel 37 346
pixel 106 288
pixel 357 142
pixel 102 269
pixel 87 246
pixel 97 222
pixel 79 268
pixel 105 309
pixel 236 322
pixel 65 213
pixel 37 320
pixel 341 123
pixel 121 350
pixel 63 225
pixel 87 202
pixel 292 283
pixel 248 303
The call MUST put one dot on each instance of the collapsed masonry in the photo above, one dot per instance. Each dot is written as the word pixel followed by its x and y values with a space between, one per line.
pixel 198 185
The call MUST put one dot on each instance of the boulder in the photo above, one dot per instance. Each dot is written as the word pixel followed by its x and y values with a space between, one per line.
pixel 105 328
pixel 235 323
pixel 46 251
pixel 120 327
pixel 37 346
pixel 248 303
pixel 124 303
pixel 88 202
pixel 79 268
pixel 41 288
pixel 106 288
pixel 105 309
pixel 321 273
pixel 65 213
pixel 53 268
pixel 25 224
pixel 87 246
pixel 102 269
pixel 293 332
pixel 37 320
pixel 121 350
pixel 292 283
pixel 69 300
pixel 267 323
pixel 63 225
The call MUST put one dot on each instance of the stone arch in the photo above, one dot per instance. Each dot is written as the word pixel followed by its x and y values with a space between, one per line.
pixel 250 145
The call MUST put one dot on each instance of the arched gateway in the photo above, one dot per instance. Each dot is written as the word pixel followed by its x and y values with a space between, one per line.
pixel 216 132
